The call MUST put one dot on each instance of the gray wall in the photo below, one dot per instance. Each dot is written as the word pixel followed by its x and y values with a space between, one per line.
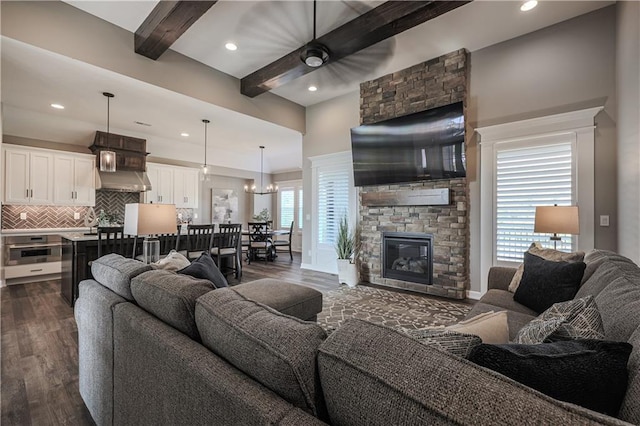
pixel 628 89
pixel 565 67
pixel 328 124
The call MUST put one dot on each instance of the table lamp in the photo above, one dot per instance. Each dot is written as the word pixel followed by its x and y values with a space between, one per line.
pixel 557 220
pixel 149 220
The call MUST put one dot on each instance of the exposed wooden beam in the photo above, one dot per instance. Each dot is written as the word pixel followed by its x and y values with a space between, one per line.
pixel 166 23
pixel 386 20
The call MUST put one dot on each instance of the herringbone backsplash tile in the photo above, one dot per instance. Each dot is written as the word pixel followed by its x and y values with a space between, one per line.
pixel 62 216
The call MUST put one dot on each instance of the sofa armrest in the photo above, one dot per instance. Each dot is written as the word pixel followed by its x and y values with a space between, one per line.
pixel 431 386
pixel 500 277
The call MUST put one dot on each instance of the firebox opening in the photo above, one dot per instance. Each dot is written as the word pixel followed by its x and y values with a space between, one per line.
pixel 407 256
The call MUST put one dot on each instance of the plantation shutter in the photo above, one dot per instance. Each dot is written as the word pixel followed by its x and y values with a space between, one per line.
pixel 333 201
pixel 527 177
pixel 287 206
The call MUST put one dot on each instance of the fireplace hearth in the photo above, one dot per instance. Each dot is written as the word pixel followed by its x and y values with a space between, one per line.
pixel 407 256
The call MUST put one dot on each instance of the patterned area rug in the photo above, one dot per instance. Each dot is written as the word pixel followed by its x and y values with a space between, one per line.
pixel 390 308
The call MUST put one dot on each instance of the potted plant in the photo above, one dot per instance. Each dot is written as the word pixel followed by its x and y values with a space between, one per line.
pixel 346 249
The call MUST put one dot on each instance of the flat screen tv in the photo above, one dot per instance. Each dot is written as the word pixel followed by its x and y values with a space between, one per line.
pixel 422 146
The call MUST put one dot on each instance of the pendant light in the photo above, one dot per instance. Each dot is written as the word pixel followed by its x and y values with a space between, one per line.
pixel 206 169
pixel 107 157
pixel 271 189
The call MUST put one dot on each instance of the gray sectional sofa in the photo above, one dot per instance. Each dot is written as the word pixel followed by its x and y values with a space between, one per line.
pixel 157 348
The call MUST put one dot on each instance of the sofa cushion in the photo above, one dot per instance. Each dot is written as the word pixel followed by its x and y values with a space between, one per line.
pixel 288 298
pixel 602 268
pixel 115 272
pixel 173 261
pixel 490 326
pixel 515 320
pixel 171 297
pixel 205 268
pixel 590 373
pixel 547 254
pixel 545 282
pixel 455 343
pixel 504 299
pixel 574 319
pixel 274 349
pixel 630 410
pixel 619 305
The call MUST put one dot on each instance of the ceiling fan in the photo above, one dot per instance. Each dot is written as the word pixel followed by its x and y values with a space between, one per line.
pixel 365 31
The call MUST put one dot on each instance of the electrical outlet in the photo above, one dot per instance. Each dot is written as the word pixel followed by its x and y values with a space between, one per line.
pixel 195 215
pixel 604 220
pixel 23 216
pixel 180 216
pixel 76 215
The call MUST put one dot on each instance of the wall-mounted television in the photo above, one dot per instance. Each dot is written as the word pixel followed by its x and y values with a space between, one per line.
pixel 422 146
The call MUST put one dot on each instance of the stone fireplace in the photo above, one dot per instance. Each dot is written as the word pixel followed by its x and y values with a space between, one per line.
pixel 437 82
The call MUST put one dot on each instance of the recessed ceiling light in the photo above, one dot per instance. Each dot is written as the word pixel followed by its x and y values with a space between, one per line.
pixel 57 106
pixel 231 46
pixel 528 5
pixel 184 134
pixel 312 88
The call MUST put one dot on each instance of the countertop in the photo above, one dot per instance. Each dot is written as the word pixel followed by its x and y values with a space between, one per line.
pixel 79 236
pixel 43 231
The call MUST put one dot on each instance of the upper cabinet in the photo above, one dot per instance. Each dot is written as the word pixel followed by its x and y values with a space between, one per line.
pixel 74 180
pixel 28 176
pixel 48 177
pixel 173 185
pixel 130 152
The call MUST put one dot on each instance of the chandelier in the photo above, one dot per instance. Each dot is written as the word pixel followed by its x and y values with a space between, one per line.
pixel 270 189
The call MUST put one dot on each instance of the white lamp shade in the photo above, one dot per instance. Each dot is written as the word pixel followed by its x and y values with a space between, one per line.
pixel 557 220
pixel 150 219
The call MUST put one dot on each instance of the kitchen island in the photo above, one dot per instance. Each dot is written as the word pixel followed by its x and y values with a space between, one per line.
pixel 78 250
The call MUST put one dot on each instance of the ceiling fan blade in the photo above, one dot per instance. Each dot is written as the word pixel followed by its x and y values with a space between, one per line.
pixel 386 20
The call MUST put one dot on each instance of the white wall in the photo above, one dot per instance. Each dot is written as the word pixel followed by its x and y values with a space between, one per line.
pixel 328 130
pixel 628 89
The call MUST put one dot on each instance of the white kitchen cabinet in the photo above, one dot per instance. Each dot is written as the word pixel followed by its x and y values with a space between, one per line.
pixel 161 178
pixel 28 176
pixel 173 185
pixel 74 180
pixel 185 187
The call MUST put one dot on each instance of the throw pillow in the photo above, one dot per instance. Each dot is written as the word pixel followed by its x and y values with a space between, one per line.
pixel 545 282
pixel 490 326
pixel 547 254
pixel 174 261
pixel 575 319
pixel 590 373
pixel 455 343
pixel 204 267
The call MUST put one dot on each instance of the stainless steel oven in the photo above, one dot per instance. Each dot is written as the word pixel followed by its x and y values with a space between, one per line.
pixel 25 250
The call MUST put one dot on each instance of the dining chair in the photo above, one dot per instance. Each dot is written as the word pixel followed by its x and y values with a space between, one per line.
pixel 283 243
pixel 226 244
pixel 199 239
pixel 111 239
pixel 260 244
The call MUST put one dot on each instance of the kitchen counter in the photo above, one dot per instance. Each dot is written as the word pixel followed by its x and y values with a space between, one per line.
pixel 79 236
pixel 43 231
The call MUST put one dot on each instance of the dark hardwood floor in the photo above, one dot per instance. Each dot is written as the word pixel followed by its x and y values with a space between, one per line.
pixel 39 346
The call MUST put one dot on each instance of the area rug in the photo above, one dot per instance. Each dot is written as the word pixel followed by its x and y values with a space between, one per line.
pixel 390 308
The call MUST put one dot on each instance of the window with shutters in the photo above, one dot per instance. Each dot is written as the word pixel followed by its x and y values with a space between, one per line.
pixel 333 201
pixel 529 175
pixel 290 204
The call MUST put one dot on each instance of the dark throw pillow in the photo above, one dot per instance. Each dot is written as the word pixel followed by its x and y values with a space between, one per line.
pixel 545 282
pixel 205 268
pixel 590 373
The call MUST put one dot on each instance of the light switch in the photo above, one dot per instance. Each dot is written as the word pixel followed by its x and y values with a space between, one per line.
pixel 23 216
pixel 195 215
pixel 604 220
pixel 308 216
pixel 76 215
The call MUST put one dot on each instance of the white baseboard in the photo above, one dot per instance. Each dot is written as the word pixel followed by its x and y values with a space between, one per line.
pixel 474 295
pixel 312 267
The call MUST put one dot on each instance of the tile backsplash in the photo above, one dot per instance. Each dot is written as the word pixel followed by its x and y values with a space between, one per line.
pixel 62 216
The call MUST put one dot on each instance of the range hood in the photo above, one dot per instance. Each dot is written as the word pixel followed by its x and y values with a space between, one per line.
pixel 123 181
